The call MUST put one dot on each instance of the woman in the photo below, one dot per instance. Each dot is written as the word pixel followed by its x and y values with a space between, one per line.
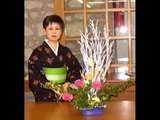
pixel 51 54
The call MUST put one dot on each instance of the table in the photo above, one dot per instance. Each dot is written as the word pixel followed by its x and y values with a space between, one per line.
pixel 116 110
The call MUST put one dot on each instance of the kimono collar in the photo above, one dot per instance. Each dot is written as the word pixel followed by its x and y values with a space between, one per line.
pixel 56 51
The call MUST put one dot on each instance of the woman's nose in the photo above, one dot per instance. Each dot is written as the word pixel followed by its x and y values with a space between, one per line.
pixel 54 31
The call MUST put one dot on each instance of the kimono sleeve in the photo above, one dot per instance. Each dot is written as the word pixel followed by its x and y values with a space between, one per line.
pixel 36 77
pixel 74 68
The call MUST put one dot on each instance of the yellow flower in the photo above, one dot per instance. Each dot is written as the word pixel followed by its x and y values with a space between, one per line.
pixel 89 62
pixel 88 76
pixel 96 99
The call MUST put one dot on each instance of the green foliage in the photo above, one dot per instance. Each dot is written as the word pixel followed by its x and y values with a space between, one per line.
pixel 86 96
pixel 81 99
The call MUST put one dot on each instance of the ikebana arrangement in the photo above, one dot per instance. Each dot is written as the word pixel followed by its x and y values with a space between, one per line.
pixel 92 91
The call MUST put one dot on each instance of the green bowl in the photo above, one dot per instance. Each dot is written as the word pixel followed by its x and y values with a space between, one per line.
pixel 55 75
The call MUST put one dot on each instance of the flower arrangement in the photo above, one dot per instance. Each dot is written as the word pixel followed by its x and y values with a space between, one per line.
pixel 97 54
pixel 89 94
pixel 92 89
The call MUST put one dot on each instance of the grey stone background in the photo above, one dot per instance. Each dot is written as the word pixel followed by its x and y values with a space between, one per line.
pixel 35 11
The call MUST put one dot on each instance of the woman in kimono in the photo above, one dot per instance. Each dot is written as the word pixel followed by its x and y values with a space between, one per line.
pixel 51 54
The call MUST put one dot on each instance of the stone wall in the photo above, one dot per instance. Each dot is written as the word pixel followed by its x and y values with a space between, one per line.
pixel 35 11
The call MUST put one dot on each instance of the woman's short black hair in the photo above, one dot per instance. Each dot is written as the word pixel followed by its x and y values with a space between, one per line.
pixel 53 18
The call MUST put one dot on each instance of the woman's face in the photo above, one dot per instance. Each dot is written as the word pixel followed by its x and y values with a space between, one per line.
pixel 53 32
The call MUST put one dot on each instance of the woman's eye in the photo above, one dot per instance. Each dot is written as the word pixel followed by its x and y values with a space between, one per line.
pixel 54 28
pixel 58 28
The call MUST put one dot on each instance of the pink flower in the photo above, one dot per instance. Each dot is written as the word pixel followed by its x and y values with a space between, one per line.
pixel 96 84
pixel 78 82
pixel 67 96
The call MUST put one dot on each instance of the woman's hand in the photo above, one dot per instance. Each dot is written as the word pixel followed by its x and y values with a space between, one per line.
pixel 65 86
pixel 59 92
pixel 58 89
pixel 52 87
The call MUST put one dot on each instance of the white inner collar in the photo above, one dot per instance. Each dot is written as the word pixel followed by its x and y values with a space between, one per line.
pixel 56 51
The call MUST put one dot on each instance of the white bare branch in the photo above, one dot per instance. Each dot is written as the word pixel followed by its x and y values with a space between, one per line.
pixel 97 52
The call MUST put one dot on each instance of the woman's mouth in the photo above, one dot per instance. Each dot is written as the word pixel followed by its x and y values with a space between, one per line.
pixel 53 35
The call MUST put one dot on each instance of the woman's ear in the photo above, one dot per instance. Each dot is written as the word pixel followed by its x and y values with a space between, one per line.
pixel 44 31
